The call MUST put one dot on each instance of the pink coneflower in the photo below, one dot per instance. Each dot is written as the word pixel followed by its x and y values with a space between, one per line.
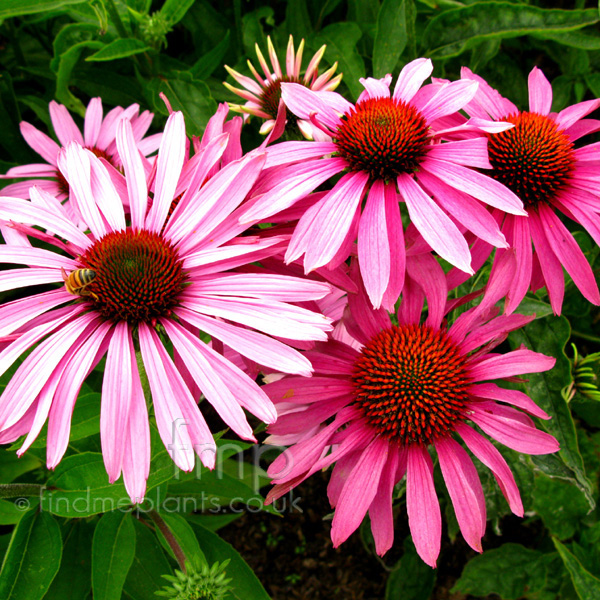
pixel 98 136
pixel 537 159
pixel 157 280
pixel 385 396
pixel 390 149
pixel 263 95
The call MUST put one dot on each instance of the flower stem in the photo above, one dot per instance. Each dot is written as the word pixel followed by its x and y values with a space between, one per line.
pixel 116 18
pixel 13 490
pixel 168 535
pixel 585 336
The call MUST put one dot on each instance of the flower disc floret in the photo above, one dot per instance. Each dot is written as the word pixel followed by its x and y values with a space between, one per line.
pixel 411 384
pixel 138 276
pixel 535 159
pixel 384 137
pixel 271 94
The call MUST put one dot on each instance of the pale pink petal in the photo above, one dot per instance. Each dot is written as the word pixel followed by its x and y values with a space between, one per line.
pixel 45 146
pixel 373 245
pixel 540 92
pixel 171 155
pixel 411 78
pixel 448 99
pixel 92 122
pixel 32 170
pixel 134 173
pixel 424 517
pixel 106 195
pixel 64 125
pixel 375 88
pixel 487 101
pixel 569 116
pixel 359 490
pixel 303 102
pixel 471 153
pixel 117 390
pixel 434 225
pixel 289 152
pixel 465 490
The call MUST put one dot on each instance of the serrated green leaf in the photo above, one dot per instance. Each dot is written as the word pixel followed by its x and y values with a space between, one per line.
pixel 509 571
pixel 452 31
pixel 411 579
pixel 32 559
pixel 149 564
pixel 245 584
pixel 15 8
pixel 74 579
pixel 549 336
pixel 113 549
pixel 586 585
pixel 119 49
pixel 390 36
pixel 341 40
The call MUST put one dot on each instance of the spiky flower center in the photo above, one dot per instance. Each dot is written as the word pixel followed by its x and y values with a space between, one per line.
pixel 411 384
pixel 384 137
pixel 63 184
pixel 138 276
pixel 271 94
pixel 534 159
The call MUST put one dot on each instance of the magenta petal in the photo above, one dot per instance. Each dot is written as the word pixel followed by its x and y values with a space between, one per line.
pixel 380 511
pixel 489 455
pixel 514 397
pixel 424 517
pixel 358 491
pixel 289 152
pixel 540 92
pixel 64 125
pixel 466 493
pixel 395 235
pixel 521 241
pixel 45 146
pixel 569 254
pixel 373 245
pixel 428 273
pixel 434 225
pixel 510 364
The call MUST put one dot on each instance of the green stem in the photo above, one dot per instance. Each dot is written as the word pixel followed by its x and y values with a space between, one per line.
pixel 15 490
pixel 585 336
pixel 116 18
pixel 168 535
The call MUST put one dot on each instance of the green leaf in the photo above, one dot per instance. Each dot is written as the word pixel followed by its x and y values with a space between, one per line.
pixel 509 571
pixel 574 39
pixel 66 64
pixel 411 579
pixel 245 584
pixel 560 505
pixel 451 32
pixel 205 65
pixel 174 10
pixel 85 420
pixel 15 8
pixel 113 549
pixel 149 564
pixel 119 49
pixel 12 512
pixel 74 579
pixel 549 336
pixel 341 40
pixel 530 305
pixel 188 95
pixel 586 585
pixel 390 36
pixel 69 36
pixel 184 534
pixel 297 19
pixel 32 559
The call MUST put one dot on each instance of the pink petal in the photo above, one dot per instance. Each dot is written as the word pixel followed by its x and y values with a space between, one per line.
pixel 434 225
pixel 465 490
pixel 510 364
pixel 470 153
pixel 45 146
pixel 569 116
pixel 373 245
pixel 375 88
pixel 489 455
pixel 92 122
pixel 303 101
pixel 448 99
pixel 521 242
pixel 288 152
pixel 424 518
pixel 358 491
pixel 64 125
pixel 395 236
pixel 427 272
pixel 540 92
pixel 514 397
pixel 411 78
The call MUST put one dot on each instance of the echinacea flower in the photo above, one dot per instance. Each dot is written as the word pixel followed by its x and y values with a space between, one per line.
pixel 158 279
pixel 99 133
pixel 539 161
pixel 264 94
pixel 385 395
pixel 389 148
